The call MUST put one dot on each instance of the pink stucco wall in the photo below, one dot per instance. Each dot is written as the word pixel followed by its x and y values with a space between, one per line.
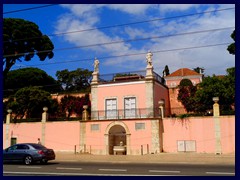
pixel 161 92
pixel 120 91
pixel 63 136
pixel 97 139
pixel 228 133
pixel 24 132
pixel 177 80
pixel 201 130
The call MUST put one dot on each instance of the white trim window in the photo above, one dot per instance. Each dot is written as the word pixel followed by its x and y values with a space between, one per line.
pixel 130 107
pixel 111 108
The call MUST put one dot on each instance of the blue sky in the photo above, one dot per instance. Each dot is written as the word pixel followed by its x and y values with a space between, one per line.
pixel 76 17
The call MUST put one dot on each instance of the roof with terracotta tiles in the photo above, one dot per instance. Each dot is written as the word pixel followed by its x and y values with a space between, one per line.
pixel 183 72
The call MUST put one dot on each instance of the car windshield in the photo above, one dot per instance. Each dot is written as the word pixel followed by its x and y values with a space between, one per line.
pixel 38 146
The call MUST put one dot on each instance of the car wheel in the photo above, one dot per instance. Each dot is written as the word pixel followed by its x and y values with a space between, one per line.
pixel 28 160
pixel 44 161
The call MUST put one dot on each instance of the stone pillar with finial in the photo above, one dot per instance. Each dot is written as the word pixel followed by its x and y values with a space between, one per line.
pixel 94 87
pixel 149 69
pixel 217 126
pixel 95 73
pixel 149 81
pixel 85 113
pixel 8 120
pixel 44 119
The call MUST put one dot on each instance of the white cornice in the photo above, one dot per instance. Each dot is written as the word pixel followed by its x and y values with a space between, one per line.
pixel 121 84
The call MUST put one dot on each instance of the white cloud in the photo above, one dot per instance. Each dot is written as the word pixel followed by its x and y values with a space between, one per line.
pixel 83 17
pixel 130 8
pixel 176 7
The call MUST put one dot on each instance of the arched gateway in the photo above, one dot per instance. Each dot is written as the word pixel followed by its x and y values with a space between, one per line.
pixel 115 133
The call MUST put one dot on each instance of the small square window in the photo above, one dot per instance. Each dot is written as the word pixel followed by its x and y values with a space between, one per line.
pixel 95 127
pixel 139 126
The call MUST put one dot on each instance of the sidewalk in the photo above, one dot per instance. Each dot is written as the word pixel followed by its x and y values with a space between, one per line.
pixel 183 158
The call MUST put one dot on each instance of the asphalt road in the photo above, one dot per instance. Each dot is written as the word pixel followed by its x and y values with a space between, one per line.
pixel 55 168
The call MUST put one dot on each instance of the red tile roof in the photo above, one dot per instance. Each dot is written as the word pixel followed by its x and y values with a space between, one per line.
pixel 183 72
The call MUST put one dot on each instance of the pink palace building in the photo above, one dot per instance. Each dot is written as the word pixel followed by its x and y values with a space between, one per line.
pixel 131 113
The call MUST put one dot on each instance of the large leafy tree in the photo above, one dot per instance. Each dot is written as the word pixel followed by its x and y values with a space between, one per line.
pixel 77 80
pixel 216 86
pixel 21 41
pixel 70 105
pixel 29 102
pixel 186 94
pixel 231 47
pixel 26 77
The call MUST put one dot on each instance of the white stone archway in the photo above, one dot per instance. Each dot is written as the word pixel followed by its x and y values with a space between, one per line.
pixel 107 135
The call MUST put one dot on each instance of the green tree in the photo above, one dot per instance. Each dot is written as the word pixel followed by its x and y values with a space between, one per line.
pixel 186 94
pixel 73 105
pixel 231 47
pixel 29 101
pixel 222 87
pixel 26 77
pixel 77 80
pixel 21 41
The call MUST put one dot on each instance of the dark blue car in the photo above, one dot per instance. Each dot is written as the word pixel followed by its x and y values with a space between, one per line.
pixel 28 153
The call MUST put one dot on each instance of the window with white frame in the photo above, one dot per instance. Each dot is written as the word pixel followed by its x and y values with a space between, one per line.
pixel 130 107
pixel 111 108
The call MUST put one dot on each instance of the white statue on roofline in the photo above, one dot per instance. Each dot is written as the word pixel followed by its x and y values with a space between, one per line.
pixel 96 65
pixel 149 58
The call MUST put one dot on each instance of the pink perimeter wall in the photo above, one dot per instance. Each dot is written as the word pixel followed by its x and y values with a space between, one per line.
pixel 64 136
pixel 24 132
pixel 201 130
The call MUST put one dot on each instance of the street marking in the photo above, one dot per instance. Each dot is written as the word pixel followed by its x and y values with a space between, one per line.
pixel 29 167
pixel 112 169
pixel 69 168
pixel 161 171
pixel 68 160
pixel 227 173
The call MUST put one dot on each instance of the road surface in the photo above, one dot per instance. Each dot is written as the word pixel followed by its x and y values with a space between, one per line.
pixel 56 168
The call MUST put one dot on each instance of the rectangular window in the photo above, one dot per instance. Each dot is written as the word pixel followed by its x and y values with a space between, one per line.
pixel 139 126
pixel 95 127
pixel 130 107
pixel 186 146
pixel 111 108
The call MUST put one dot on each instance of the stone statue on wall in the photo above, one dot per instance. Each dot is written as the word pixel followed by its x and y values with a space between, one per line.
pixel 96 65
pixel 149 58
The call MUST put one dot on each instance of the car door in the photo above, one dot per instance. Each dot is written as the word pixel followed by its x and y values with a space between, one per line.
pixel 9 153
pixel 21 151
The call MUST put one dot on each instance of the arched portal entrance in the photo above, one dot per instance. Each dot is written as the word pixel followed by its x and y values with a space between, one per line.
pixel 116 134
